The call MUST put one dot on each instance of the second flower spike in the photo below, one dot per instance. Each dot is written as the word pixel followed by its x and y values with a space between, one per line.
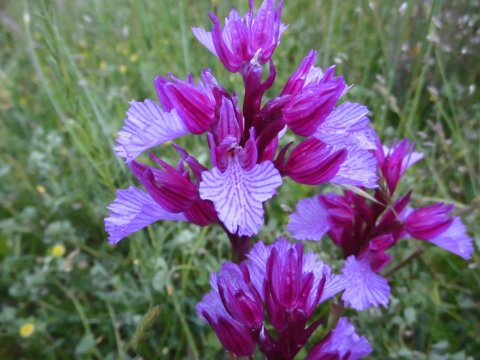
pixel 270 299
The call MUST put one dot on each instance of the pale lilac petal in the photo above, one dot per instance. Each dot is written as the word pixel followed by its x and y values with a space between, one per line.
pixel 281 29
pixel 345 116
pixel 238 194
pixel 311 264
pixel 455 240
pixel 131 211
pixel 314 75
pixel 359 169
pixel 257 265
pixel 403 215
pixel 348 125
pixel 235 36
pixel 342 340
pixel 205 37
pixel 363 287
pixel 214 281
pixel 212 305
pixel 333 283
pixel 411 159
pixel 282 132
pixel 259 254
pixel 146 126
pixel 310 221
pixel 282 245
pixel 333 286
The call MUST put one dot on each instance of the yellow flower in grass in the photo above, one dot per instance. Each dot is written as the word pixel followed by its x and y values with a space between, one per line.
pixel 27 330
pixel 134 57
pixel 58 250
pixel 123 69
pixel 103 65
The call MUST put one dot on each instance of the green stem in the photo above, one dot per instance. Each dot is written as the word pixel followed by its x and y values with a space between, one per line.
pixel 404 262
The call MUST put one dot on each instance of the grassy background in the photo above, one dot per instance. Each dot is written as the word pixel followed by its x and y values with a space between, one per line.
pixel 67 71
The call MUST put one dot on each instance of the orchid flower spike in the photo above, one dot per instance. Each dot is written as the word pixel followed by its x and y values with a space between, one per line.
pixel 365 229
pixel 270 299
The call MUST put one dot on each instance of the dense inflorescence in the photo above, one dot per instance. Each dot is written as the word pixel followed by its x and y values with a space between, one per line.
pixel 366 228
pixel 246 162
pixel 280 285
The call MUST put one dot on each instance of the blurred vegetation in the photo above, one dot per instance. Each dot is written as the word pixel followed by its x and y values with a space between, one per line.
pixel 67 71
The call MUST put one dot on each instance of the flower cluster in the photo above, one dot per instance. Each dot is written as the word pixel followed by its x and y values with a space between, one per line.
pixel 365 229
pixel 245 169
pixel 283 284
pixel 270 296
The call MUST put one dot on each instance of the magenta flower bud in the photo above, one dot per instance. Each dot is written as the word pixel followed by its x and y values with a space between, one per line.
pixel 378 258
pixel 193 163
pixel 169 187
pixel 231 44
pixel 294 286
pixel 285 276
pixel 270 124
pixel 297 81
pixel 338 207
pixel 238 295
pixel 230 122
pixel 394 161
pixel 266 28
pixel 255 88
pixel 201 213
pixel 234 337
pixel 307 110
pixel 313 162
pixel 428 222
pixel 195 104
pixel 248 155
pixel 313 95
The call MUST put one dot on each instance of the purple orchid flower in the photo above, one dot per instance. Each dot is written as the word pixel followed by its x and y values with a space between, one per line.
pixel 246 40
pixel 240 180
pixel 283 284
pixel 245 169
pixel 365 230
pixel 339 139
